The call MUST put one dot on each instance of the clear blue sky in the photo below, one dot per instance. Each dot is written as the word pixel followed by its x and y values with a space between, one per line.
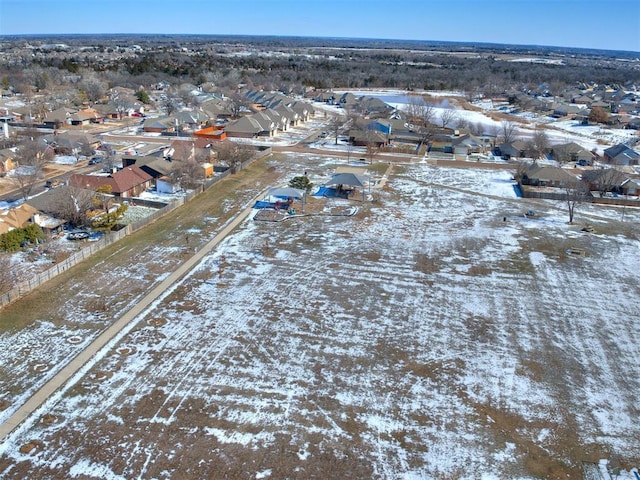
pixel 603 24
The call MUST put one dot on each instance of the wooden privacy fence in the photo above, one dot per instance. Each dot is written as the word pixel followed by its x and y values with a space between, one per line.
pixel 91 248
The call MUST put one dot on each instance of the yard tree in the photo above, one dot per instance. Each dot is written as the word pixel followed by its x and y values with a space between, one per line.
pixel 31 156
pixel 106 221
pixel 143 96
pixel 103 198
pixel 372 147
pixel 598 115
pixel 575 193
pixel 606 179
pixel 169 104
pixel 73 204
pixel 521 169
pixel 122 103
pixel 412 107
pixel 108 157
pixel 187 172
pixel 233 154
pixel 448 117
pixel 237 103
pixel 336 125
pixel 508 131
pixel 562 154
pixel 539 144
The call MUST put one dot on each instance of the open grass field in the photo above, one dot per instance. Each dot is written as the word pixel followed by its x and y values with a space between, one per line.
pixel 423 337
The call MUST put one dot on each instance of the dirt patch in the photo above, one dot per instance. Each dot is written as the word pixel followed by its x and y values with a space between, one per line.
pixel 31 447
pixel 125 351
pixel 539 461
pixel 48 419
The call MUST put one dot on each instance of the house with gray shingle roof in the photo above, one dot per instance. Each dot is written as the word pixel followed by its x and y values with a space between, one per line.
pixel 547 176
pixel 621 155
pixel 246 127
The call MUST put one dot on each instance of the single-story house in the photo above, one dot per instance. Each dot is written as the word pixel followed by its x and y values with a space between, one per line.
pixel 605 179
pixel 131 181
pixel 17 217
pixel 71 143
pixel 621 155
pixel 515 149
pixel 246 127
pixel 85 117
pixel 159 125
pixel 467 144
pixel 363 138
pixel 547 176
pixel 572 152
pixel 157 167
pixel 630 187
pixel 59 117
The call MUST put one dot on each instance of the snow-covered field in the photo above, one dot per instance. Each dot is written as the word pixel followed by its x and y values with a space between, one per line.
pixel 424 337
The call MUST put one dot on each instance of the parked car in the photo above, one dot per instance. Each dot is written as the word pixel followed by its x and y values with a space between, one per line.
pixel 80 235
pixel 95 160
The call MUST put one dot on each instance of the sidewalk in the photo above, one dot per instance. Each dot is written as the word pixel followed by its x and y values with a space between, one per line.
pixel 69 370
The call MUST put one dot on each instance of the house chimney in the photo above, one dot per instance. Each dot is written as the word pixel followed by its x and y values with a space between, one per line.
pixel 5 129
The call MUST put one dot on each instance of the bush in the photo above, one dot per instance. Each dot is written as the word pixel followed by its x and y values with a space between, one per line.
pixel 13 240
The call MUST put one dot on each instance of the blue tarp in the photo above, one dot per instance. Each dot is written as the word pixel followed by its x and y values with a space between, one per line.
pixel 330 192
pixel 263 204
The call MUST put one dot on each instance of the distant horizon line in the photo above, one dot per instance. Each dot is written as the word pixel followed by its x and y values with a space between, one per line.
pixel 245 35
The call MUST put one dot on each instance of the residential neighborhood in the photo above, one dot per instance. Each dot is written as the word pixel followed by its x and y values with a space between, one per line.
pixel 220 262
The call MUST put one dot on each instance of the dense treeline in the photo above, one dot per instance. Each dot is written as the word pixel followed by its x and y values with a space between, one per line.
pixel 290 63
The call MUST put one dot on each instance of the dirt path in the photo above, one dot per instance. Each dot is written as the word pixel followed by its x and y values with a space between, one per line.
pixel 41 396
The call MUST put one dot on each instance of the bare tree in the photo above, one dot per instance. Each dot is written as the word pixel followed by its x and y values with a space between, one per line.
pixel 72 205
pixel 539 144
pixel 108 157
pixel 10 274
pixel 335 125
pixel 521 170
pixel 31 156
pixel 604 180
pixel 508 131
pixel 448 117
pixel 238 103
pixel 93 87
pixel 232 154
pixel 413 107
pixel 169 105
pixel 575 194
pixel 562 154
pixel 187 172
pixel 372 146
pixel 121 103
pixel 420 111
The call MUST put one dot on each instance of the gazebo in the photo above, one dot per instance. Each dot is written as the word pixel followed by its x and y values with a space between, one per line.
pixel 350 180
pixel 277 193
